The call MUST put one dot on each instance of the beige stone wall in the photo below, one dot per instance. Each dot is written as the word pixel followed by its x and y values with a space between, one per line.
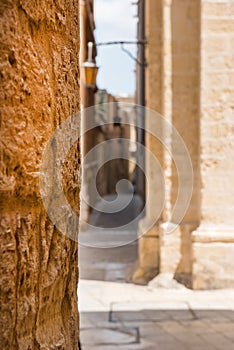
pixel 214 240
pixel 39 79
pixel 189 80
pixel 217 113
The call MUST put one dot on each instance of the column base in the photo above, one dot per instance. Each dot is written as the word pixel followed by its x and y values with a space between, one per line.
pixel 165 281
pixel 213 262
pixel 176 251
pixel 147 266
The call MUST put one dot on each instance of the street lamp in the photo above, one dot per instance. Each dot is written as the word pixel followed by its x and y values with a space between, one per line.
pixel 90 68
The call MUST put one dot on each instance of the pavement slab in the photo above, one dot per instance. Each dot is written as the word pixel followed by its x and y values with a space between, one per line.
pixel 115 314
pixel 125 316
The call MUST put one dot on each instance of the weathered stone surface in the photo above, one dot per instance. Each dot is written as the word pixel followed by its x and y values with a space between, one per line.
pixel 39 79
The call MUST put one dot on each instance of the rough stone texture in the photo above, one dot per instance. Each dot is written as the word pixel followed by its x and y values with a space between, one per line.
pixel 39 78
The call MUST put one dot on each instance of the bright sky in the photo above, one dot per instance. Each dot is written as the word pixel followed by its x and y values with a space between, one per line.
pixel 115 20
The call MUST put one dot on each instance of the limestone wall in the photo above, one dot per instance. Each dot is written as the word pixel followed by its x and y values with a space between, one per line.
pixel 213 242
pixel 217 112
pixel 189 80
pixel 39 79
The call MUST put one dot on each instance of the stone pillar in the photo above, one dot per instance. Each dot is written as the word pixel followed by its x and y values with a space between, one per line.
pixel 172 89
pixel 39 267
pixel 185 112
pixel 213 241
pixel 148 244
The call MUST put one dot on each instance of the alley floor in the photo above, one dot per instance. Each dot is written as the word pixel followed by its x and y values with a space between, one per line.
pixel 125 316
pixel 115 314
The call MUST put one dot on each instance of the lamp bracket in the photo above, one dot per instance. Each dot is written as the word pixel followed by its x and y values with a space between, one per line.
pixel 121 43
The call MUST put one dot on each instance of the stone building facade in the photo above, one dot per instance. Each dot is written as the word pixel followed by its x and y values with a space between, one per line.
pixel 109 115
pixel 189 81
pixel 96 125
pixel 39 90
pixel 89 138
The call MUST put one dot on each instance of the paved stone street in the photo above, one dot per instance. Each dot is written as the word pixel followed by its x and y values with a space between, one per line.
pixel 115 314
pixel 125 316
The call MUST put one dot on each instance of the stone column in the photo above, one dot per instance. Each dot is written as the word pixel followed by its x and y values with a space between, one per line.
pixel 39 267
pixel 172 89
pixel 213 241
pixel 148 244
pixel 185 113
